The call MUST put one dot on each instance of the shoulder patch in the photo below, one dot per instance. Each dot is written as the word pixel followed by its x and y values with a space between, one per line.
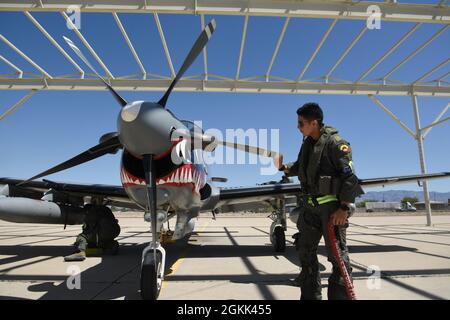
pixel 345 148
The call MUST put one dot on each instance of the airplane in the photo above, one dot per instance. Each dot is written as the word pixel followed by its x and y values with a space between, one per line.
pixel 162 174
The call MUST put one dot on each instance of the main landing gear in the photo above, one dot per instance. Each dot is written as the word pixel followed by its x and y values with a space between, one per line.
pixel 278 226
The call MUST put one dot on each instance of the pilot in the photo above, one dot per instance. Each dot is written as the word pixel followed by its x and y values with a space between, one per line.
pixel 100 228
pixel 329 185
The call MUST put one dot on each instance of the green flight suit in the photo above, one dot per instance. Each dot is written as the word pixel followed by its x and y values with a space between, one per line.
pixel 324 167
pixel 100 228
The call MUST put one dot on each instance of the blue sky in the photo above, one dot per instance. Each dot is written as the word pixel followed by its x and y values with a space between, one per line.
pixel 54 126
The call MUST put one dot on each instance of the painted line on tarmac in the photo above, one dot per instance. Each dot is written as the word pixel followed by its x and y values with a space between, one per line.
pixel 180 260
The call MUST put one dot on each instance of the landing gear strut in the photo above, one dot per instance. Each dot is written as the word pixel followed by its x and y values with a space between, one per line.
pixel 278 226
pixel 154 255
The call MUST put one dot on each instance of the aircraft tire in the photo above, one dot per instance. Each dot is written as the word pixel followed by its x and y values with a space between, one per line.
pixel 150 282
pixel 279 239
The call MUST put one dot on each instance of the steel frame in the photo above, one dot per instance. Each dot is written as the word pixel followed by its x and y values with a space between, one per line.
pixel 324 9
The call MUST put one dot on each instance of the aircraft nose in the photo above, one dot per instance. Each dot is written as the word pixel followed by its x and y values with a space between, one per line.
pixel 145 128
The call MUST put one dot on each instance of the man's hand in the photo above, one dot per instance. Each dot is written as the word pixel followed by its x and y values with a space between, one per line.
pixel 339 217
pixel 278 161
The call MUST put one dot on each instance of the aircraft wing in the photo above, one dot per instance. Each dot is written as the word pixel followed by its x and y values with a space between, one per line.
pixel 269 192
pixel 115 195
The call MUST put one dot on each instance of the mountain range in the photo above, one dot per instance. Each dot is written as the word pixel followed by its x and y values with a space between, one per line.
pixel 398 195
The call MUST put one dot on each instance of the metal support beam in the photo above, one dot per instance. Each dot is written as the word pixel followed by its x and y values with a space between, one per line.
pixel 18 104
pixel 53 41
pixel 443 77
pixel 241 51
pixel 86 44
pixel 344 54
pixel 443 63
pixel 12 65
pixel 423 165
pixel 23 55
pixel 415 52
pixel 436 123
pixel 427 129
pixel 392 49
pixel 322 41
pixel 163 40
pixel 130 45
pixel 226 85
pixel 277 47
pixel 324 9
pixel 205 60
pixel 393 116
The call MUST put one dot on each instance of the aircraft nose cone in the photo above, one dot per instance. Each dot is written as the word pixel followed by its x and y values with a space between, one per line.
pixel 130 112
pixel 145 127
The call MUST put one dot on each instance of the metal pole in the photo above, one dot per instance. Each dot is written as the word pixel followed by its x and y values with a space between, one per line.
pixel 18 104
pixel 438 120
pixel 432 71
pixel 86 44
pixel 53 41
pixel 443 77
pixel 355 40
pixel 392 49
pixel 423 167
pixel 130 45
pixel 322 41
pixel 23 55
pixel 393 116
pixel 241 51
pixel 163 41
pixel 12 65
pixel 277 47
pixel 415 52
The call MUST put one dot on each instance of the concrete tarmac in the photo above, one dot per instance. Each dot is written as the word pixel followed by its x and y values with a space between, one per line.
pixel 393 257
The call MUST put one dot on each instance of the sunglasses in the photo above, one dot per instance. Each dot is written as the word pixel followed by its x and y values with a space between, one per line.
pixel 301 123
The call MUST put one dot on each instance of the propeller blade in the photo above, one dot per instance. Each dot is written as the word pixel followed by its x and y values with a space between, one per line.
pixel 250 149
pixel 195 51
pixel 107 146
pixel 150 180
pixel 209 143
pixel 78 52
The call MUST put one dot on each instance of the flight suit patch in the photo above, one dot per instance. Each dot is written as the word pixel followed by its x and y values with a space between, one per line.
pixel 345 148
pixel 347 169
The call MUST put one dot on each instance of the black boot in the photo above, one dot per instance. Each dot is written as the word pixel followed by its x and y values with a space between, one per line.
pixel 336 286
pixel 310 285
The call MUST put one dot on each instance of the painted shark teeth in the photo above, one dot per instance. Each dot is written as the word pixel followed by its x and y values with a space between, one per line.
pixel 128 179
pixel 182 176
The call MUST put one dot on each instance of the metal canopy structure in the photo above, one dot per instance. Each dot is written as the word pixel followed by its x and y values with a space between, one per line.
pixel 336 10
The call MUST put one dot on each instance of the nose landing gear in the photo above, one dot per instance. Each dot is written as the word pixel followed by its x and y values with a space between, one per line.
pixel 152 271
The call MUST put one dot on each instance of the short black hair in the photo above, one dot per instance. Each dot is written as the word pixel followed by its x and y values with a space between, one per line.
pixel 311 111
